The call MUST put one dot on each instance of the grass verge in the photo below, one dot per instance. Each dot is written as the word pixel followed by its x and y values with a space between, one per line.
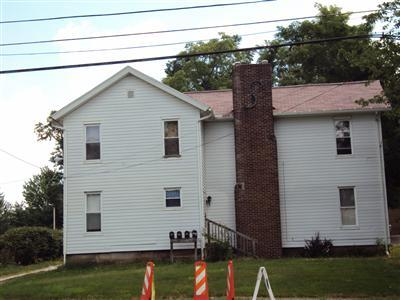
pixel 330 278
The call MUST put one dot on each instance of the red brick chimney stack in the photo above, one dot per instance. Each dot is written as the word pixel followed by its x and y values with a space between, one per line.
pixel 257 204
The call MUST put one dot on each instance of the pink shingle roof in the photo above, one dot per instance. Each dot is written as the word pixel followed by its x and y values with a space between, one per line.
pixel 302 99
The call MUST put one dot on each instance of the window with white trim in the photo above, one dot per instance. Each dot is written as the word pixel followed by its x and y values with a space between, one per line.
pixel 347 206
pixel 173 197
pixel 93 213
pixel 92 141
pixel 343 137
pixel 171 138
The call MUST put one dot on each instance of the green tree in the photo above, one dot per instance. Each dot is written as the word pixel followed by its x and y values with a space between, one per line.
pixel 5 211
pixel 383 63
pixel 206 72
pixel 321 62
pixel 42 193
pixel 48 131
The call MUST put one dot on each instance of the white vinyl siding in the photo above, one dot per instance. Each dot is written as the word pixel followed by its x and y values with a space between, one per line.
pixel 132 173
pixel 220 172
pixel 310 173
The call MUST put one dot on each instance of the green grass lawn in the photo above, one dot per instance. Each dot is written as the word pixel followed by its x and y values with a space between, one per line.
pixel 12 269
pixel 350 278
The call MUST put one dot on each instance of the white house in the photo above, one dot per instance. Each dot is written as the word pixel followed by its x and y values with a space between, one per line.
pixel 278 165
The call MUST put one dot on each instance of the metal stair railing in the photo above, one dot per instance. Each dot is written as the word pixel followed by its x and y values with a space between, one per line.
pixel 237 240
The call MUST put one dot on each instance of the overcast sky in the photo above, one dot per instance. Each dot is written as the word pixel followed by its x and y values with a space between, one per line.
pixel 27 98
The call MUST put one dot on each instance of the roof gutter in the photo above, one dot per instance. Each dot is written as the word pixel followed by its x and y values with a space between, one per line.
pixel 332 112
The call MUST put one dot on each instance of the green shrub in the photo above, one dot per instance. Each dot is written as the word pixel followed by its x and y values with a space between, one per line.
pixel 27 245
pixel 217 251
pixel 316 247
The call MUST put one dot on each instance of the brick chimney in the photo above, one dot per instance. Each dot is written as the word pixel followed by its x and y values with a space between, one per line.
pixel 257 204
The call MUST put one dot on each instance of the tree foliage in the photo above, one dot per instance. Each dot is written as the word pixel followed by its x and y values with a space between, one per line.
pixel 43 192
pixel 321 62
pixel 206 72
pixel 47 131
pixel 348 60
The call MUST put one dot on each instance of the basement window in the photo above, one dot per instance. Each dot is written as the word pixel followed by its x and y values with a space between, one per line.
pixel 343 137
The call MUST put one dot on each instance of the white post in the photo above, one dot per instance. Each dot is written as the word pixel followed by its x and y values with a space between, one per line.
pixel 54 217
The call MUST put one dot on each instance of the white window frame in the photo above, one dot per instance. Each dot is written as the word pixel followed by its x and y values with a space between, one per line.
pixel 337 119
pixel 165 197
pixel 100 142
pixel 179 138
pixel 100 211
pixel 355 207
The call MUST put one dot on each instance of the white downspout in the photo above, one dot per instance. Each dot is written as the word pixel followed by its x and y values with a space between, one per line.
pixel 383 184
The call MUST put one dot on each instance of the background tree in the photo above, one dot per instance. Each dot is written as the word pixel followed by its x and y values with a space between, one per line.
pixel 383 62
pixel 348 60
pixel 5 211
pixel 47 131
pixel 43 192
pixel 209 72
pixel 322 62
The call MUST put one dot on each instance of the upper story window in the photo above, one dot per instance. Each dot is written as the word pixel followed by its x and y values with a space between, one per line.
pixel 93 213
pixel 173 197
pixel 343 137
pixel 347 206
pixel 92 142
pixel 171 139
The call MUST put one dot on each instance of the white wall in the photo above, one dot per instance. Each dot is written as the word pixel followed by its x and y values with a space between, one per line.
pixel 220 171
pixel 132 174
pixel 310 173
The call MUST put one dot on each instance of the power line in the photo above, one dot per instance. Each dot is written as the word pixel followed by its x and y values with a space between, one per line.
pixel 183 56
pixel 18 158
pixel 132 12
pixel 121 48
pixel 169 30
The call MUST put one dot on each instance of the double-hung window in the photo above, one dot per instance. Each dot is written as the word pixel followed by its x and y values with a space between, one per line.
pixel 347 206
pixel 171 139
pixel 173 197
pixel 93 212
pixel 92 148
pixel 343 137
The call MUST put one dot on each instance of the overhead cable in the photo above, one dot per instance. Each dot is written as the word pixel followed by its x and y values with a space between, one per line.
pixel 168 30
pixel 183 56
pixel 122 48
pixel 133 12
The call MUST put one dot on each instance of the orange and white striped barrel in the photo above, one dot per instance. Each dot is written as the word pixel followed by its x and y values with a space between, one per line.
pixel 148 288
pixel 201 289
pixel 230 292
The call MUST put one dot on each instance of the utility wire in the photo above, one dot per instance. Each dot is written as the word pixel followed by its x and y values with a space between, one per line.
pixel 18 158
pixel 123 48
pixel 184 56
pixel 170 30
pixel 133 12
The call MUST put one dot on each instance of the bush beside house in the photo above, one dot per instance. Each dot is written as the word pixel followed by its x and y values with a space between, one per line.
pixel 27 245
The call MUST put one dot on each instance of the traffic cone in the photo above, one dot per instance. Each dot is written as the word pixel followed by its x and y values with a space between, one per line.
pixel 148 288
pixel 230 281
pixel 201 289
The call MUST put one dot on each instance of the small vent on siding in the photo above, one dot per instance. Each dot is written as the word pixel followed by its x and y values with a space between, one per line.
pixel 130 94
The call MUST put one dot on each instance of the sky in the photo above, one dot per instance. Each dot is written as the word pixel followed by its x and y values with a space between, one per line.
pixel 28 98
